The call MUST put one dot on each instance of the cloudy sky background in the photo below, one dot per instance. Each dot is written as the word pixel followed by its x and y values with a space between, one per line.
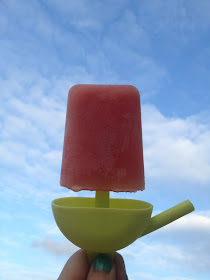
pixel 162 48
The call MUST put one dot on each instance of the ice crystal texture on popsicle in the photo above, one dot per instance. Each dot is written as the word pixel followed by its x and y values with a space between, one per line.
pixel 103 139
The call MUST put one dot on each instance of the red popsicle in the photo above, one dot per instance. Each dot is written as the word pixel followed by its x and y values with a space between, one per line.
pixel 103 139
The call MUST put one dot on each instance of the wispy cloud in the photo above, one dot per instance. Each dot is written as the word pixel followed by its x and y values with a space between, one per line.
pixel 57 248
pixel 176 16
pixel 175 149
pixel 166 257
pixel 191 235
pixel 144 72
pixel 150 276
pixel 5 215
pixel 8 242
pixel 48 46
pixel 93 17
pixel 13 271
pixel 189 252
pixel 195 225
pixel 131 35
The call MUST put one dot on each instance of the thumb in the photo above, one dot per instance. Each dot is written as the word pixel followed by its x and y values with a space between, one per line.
pixel 102 268
pixel 76 268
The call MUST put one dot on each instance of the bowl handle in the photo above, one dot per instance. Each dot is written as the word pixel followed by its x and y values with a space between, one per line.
pixel 169 216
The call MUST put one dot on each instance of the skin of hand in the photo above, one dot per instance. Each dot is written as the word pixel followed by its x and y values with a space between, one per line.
pixel 102 268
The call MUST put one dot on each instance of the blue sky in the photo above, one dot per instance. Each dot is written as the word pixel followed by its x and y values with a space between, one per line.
pixel 162 48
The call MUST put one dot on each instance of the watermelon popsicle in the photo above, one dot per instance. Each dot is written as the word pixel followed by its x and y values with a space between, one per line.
pixel 102 148
pixel 103 152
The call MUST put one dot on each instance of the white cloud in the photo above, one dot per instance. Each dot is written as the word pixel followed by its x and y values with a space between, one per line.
pixel 130 34
pixel 175 149
pixel 57 248
pixel 30 17
pixel 176 17
pixel 101 67
pixel 82 16
pixel 150 276
pixel 175 250
pixel 33 119
pixel 53 157
pixel 4 215
pixel 44 115
pixel 34 104
pixel 196 222
pixel 9 242
pixel 144 72
pixel 13 271
pixel 32 126
pixel 189 252
pixel 164 257
pixel 190 232
pixel 49 229
pixel 177 278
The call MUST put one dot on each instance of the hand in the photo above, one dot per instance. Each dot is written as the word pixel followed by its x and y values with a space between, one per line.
pixel 102 268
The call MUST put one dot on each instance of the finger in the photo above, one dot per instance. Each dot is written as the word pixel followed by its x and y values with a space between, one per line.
pixel 76 267
pixel 102 268
pixel 120 267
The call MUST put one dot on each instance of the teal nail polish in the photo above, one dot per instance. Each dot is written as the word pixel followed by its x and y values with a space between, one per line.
pixel 126 277
pixel 102 263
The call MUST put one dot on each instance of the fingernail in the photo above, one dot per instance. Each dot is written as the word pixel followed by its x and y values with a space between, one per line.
pixel 126 277
pixel 102 263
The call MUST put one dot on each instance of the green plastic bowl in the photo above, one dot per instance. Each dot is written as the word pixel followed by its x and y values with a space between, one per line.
pixel 101 230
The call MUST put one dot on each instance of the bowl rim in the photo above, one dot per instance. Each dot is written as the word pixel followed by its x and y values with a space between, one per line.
pixel 147 206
